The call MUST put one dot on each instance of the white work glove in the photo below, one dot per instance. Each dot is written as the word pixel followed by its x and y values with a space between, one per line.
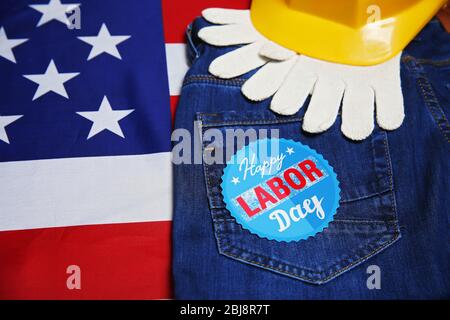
pixel 290 78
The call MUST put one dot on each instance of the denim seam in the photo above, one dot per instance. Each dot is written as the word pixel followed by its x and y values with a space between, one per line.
pixel 429 102
pixel 395 235
pixel 438 63
pixel 198 79
pixel 391 180
pixel 368 196
pixel 428 95
pixel 205 169
pixel 341 270
pixel 337 272
pixel 247 123
pixel 371 195
pixel 345 260
pixel 374 222
pixel 393 223
pixel 191 43
pixel 379 178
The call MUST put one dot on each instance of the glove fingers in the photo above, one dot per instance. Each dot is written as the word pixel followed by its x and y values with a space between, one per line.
pixel 267 80
pixel 238 62
pixel 274 51
pixel 294 91
pixel 226 16
pixel 324 106
pixel 389 104
pixel 357 112
pixel 228 35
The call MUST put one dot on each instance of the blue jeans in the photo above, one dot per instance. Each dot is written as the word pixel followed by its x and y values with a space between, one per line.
pixel 394 203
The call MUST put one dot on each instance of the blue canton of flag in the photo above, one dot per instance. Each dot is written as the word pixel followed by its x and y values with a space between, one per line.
pixel 84 113
pixel 97 90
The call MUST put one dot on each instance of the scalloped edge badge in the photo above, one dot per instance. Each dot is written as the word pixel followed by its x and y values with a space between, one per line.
pixel 280 189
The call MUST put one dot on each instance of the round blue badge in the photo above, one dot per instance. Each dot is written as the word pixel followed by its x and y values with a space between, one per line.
pixel 280 189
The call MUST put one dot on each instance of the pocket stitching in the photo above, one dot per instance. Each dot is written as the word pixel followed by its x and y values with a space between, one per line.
pixel 428 95
pixel 389 223
pixel 208 79
pixel 433 104
pixel 396 236
pixel 387 158
pixel 246 123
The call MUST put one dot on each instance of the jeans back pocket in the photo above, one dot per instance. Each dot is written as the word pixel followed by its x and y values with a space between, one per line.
pixel 365 222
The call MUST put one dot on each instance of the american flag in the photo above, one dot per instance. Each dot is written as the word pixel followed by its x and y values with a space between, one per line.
pixel 85 121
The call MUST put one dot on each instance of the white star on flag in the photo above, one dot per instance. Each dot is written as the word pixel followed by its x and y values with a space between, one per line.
pixel 105 119
pixel 4 121
pixel 51 80
pixel 6 45
pixel 104 42
pixel 235 180
pixel 54 10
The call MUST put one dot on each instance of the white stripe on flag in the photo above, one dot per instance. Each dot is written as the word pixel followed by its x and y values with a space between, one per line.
pixel 83 191
pixel 177 66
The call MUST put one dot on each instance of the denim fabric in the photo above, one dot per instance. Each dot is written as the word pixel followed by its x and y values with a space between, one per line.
pixel 394 194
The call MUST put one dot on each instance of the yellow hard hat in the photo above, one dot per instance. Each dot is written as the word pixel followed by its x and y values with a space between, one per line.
pixel 355 32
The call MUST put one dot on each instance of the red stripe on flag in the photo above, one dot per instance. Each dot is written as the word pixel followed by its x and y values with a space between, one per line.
pixel 116 261
pixel 178 14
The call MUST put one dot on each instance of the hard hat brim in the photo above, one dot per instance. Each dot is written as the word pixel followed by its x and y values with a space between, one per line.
pixel 322 38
